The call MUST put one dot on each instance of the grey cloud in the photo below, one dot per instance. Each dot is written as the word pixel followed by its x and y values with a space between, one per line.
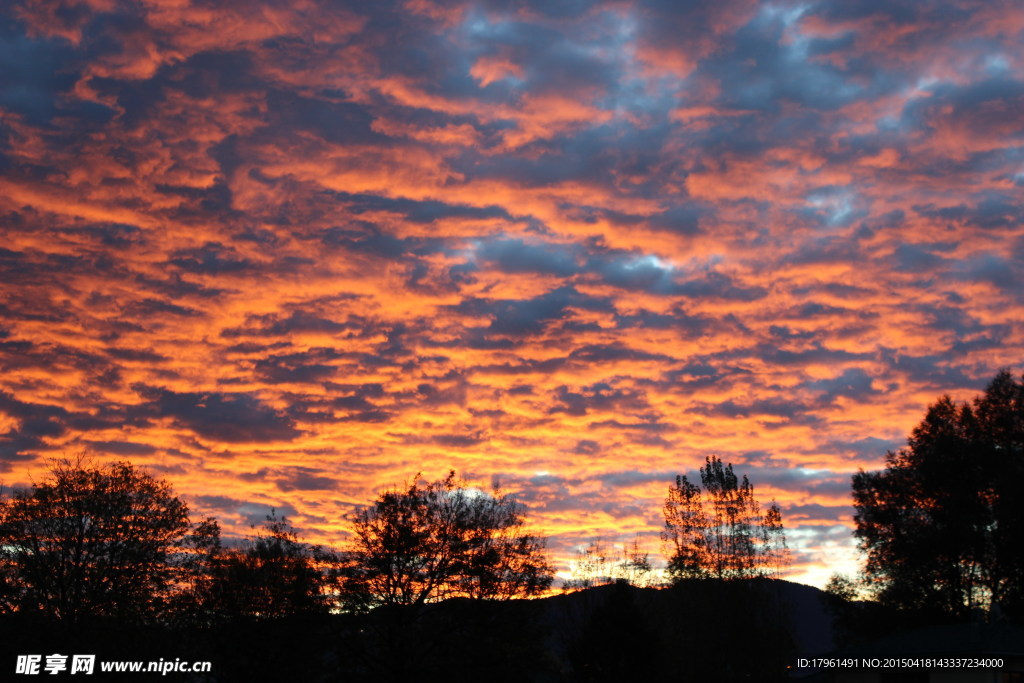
pixel 227 417
pixel 516 256
pixel 252 512
pixel 853 383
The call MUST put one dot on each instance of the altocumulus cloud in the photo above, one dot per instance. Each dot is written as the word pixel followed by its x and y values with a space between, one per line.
pixel 294 256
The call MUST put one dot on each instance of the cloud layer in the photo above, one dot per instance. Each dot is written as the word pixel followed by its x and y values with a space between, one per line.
pixel 291 255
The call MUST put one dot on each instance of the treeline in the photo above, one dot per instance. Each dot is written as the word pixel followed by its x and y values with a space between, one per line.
pixel 105 558
pixel 113 541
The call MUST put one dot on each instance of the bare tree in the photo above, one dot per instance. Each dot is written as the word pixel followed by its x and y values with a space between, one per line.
pixel 598 565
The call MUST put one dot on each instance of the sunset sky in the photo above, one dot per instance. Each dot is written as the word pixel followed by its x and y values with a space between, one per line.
pixel 288 254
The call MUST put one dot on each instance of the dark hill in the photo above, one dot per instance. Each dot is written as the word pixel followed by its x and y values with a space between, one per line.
pixel 802 608
pixel 698 631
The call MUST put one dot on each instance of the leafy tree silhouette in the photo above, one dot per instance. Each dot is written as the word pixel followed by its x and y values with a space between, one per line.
pixel 263 607
pixel 441 539
pixel 271 575
pixel 721 533
pixel 425 543
pixel 8 584
pixel 941 524
pixel 99 541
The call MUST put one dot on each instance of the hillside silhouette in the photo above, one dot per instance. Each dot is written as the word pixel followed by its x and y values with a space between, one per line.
pixel 704 630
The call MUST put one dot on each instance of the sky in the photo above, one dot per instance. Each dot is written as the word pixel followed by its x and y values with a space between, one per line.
pixel 289 254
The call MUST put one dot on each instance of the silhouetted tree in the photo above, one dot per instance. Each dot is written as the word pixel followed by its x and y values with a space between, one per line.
pixel 599 565
pixel 8 585
pixel 774 552
pixel 94 540
pixel 941 524
pixel 721 533
pixel 192 566
pixel 441 539
pixel 272 574
pixel 854 618
pixel 686 531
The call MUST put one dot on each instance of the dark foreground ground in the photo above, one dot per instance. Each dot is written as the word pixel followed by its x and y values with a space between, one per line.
pixel 698 631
